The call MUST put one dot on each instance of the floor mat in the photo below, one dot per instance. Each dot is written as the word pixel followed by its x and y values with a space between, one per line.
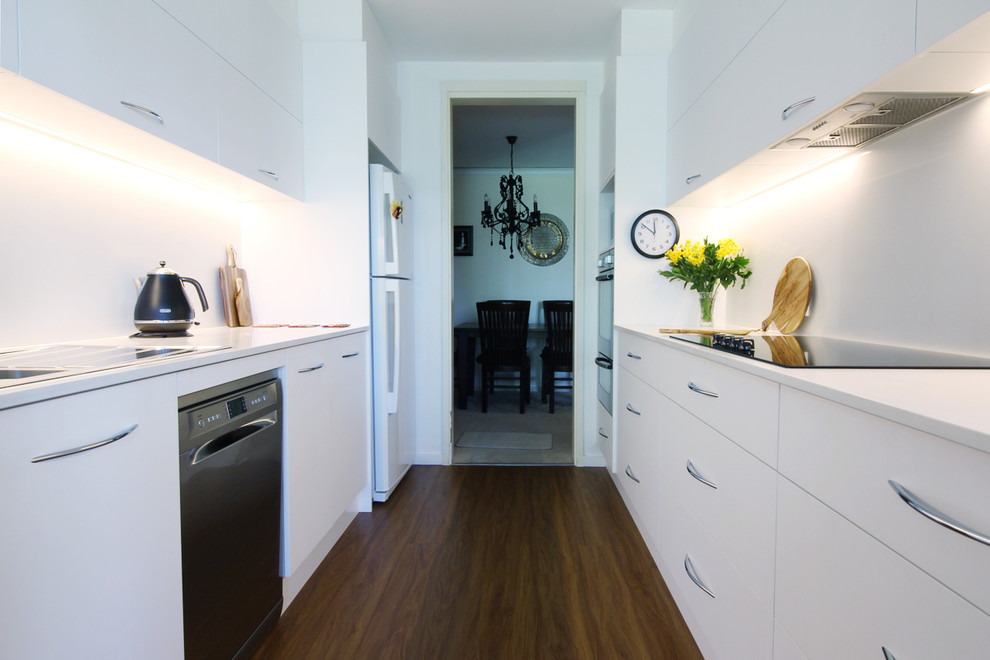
pixel 503 440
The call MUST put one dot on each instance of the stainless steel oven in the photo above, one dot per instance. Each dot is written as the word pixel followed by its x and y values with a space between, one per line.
pixel 606 291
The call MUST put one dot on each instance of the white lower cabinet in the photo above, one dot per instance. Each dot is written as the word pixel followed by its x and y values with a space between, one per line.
pixel 639 425
pixel 91 540
pixel 325 453
pixel 842 594
pixel 604 437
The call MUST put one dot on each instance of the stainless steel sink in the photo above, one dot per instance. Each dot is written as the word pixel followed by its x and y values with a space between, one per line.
pixel 37 363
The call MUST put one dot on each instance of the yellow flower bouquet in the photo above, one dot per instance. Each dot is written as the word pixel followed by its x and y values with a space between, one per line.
pixel 706 266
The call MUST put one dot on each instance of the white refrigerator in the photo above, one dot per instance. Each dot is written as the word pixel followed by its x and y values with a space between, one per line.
pixel 391 329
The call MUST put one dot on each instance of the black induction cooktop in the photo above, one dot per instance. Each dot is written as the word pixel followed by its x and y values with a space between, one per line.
pixel 829 352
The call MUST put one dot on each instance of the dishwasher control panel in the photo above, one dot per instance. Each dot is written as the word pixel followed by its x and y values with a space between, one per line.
pixel 215 415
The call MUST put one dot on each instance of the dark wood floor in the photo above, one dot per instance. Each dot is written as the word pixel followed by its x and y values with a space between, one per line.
pixel 475 562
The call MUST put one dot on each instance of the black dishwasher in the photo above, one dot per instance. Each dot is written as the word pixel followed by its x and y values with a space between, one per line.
pixel 230 468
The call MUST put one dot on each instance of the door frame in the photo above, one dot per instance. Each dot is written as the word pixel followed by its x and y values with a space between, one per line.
pixel 530 93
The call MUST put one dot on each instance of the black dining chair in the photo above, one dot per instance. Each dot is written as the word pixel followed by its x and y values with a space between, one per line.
pixel 558 354
pixel 504 329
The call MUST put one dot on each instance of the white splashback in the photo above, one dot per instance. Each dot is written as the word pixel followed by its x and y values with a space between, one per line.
pixel 896 235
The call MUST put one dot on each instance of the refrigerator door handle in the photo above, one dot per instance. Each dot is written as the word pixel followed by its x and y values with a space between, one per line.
pixel 394 344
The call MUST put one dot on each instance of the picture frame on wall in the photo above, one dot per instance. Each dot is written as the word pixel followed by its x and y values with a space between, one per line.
pixel 463 240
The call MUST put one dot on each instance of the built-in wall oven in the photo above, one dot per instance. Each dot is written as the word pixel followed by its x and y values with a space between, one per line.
pixel 606 291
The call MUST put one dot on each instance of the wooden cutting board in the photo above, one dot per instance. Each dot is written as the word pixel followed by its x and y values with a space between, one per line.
pixel 791 296
pixel 234 293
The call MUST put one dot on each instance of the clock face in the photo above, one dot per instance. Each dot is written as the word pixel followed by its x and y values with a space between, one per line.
pixel 654 233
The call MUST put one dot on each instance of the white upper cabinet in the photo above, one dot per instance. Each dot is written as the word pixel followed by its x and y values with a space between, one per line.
pixel 129 60
pixel 258 138
pixel 258 43
pixel 939 18
pixel 716 33
pixel 807 51
pixel 199 16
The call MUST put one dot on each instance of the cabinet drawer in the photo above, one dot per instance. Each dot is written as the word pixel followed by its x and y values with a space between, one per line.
pixel 637 452
pixel 604 437
pixel 846 458
pixel 641 357
pixel 729 492
pixel 841 594
pixel 731 623
pixel 741 406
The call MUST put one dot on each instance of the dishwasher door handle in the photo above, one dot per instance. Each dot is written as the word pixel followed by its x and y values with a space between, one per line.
pixel 216 445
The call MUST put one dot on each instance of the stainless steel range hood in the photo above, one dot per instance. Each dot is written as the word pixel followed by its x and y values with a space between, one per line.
pixel 869 117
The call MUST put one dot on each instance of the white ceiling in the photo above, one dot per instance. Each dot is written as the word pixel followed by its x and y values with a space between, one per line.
pixel 503 30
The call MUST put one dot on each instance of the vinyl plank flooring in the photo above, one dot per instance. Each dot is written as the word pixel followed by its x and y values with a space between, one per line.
pixel 487 562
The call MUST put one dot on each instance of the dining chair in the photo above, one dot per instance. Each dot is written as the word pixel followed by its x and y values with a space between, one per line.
pixel 504 329
pixel 558 354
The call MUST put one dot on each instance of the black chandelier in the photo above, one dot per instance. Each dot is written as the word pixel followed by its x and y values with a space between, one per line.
pixel 511 217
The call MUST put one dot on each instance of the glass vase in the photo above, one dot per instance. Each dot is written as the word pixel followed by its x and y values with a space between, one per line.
pixel 706 300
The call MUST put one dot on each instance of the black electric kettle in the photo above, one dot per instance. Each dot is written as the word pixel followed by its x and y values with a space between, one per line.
pixel 162 305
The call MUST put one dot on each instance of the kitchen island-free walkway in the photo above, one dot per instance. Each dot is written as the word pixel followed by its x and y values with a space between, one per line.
pixel 487 562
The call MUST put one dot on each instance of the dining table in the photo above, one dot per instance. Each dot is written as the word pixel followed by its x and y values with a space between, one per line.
pixel 466 351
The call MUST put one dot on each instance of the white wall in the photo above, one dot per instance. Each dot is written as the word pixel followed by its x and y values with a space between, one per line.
pixel 422 95
pixel 896 236
pixel 489 274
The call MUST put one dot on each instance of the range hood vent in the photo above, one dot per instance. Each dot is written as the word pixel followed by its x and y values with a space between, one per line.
pixel 867 118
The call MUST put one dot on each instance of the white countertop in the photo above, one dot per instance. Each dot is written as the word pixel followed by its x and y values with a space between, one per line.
pixel 950 403
pixel 242 342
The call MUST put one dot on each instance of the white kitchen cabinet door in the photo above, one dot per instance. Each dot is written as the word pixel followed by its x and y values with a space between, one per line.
pixel 326 443
pixel 199 16
pixel 639 426
pixel 130 60
pixel 267 51
pixel 91 543
pixel 813 51
pixel 842 594
pixel 730 493
pixel 604 436
pixel 259 138
pixel 938 19
pixel 846 458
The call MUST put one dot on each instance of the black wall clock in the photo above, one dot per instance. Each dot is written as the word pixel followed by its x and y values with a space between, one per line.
pixel 653 233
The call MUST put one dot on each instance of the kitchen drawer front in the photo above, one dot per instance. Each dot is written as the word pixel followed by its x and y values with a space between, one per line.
pixel 640 356
pixel 741 406
pixel 730 493
pixel 637 451
pixel 731 624
pixel 604 437
pixel 841 594
pixel 846 458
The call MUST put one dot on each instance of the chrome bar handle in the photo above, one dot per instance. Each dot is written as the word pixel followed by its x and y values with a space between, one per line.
pixel 887 655
pixel 78 450
pixel 695 388
pixel 269 173
pixel 691 179
pixel 350 355
pixel 930 512
pixel 689 567
pixel 632 410
pixel 629 473
pixel 634 356
pixel 143 110
pixel 693 471
pixel 308 369
pixel 601 433
pixel 794 106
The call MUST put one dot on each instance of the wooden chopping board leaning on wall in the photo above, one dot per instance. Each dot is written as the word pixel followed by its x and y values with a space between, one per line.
pixel 234 293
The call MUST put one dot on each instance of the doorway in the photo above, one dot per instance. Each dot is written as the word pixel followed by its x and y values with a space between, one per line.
pixel 543 154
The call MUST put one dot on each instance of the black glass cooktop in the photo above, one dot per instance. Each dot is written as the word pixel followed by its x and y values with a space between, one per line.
pixel 828 352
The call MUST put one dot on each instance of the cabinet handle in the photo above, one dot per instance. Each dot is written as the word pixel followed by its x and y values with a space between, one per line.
pixel 634 356
pixel 354 354
pixel 930 512
pixel 691 179
pixel 78 450
pixel 794 106
pixel 632 410
pixel 269 173
pixel 695 388
pixel 145 111
pixel 693 471
pixel 689 567
pixel 308 369
pixel 602 433
pixel 629 473
pixel 887 654
pixel 604 363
